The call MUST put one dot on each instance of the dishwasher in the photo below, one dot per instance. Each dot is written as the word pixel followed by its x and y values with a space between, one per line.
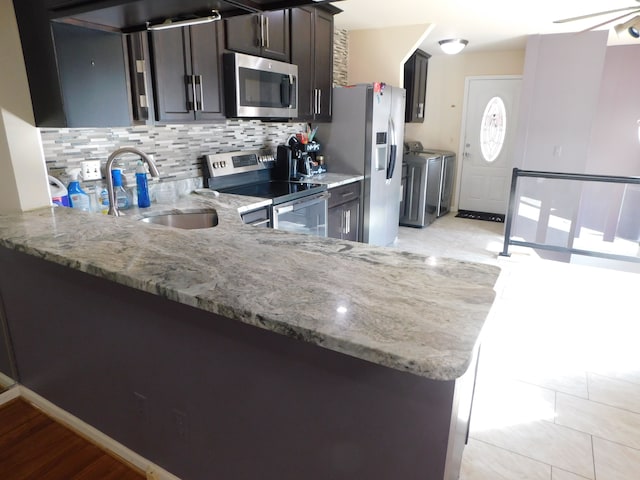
pixel 427 184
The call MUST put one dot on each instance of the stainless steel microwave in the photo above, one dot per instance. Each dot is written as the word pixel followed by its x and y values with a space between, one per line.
pixel 257 87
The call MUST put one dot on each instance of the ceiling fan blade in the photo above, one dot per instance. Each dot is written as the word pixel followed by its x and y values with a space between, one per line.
pixel 610 20
pixel 591 15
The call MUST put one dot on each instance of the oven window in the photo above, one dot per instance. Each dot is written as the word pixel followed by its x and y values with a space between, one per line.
pixel 309 218
pixel 264 89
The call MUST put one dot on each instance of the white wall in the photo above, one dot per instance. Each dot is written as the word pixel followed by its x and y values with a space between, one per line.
pixel 23 180
pixel 560 90
pixel 378 55
pixel 614 148
pixel 579 112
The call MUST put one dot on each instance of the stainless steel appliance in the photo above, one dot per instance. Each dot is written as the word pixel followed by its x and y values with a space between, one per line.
pixel 295 206
pixel 257 87
pixel 427 181
pixel 363 138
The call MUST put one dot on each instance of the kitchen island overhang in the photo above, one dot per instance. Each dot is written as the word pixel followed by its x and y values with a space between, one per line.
pixel 365 412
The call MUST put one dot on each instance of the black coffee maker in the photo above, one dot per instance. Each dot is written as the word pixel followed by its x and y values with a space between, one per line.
pixel 296 160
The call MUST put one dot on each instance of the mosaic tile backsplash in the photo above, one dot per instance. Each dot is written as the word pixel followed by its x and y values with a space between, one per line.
pixel 340 57
pixel 177 149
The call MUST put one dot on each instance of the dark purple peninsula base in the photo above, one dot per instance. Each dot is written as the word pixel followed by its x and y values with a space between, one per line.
pixel 206 397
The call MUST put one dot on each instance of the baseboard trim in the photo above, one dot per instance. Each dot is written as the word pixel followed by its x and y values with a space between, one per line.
pixel 11 394
pixel 153 472
pixel 6 381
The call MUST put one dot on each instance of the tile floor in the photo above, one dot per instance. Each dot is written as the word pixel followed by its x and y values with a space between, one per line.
pixel 558 391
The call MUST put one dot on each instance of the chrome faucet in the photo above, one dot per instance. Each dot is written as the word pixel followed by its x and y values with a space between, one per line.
pixel 153 170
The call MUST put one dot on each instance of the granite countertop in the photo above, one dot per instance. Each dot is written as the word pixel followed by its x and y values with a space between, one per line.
pixel 332 179
pixel 409 312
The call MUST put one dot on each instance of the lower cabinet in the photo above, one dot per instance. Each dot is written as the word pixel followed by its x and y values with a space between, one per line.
pixel 344 212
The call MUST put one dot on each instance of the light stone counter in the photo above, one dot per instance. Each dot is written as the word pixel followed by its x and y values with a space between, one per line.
pixel 405 311
pixel 333 180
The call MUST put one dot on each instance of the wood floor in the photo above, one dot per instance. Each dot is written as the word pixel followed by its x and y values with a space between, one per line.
pixel 35 447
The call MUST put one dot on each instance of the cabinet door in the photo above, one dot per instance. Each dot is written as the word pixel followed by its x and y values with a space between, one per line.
pixel 206 58
pixel 243 34
pixel 302 55
pixel 93 76
pixel 415 81
pixel 172 75
pixel 275 26
pixel 312 51
pixel 264 35
pixel 422 64
pixel 323 74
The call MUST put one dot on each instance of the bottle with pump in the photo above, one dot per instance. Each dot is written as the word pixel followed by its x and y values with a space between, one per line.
pixel 142 186
pixel 78 198
pixel 122 198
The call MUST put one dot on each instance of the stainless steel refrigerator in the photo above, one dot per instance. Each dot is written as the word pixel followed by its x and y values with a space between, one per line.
pixel 365 137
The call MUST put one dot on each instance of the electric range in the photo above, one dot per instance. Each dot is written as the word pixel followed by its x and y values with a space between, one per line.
pixel 296 206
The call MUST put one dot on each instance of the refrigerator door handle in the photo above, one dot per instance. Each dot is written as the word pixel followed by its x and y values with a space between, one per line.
pixel 393 151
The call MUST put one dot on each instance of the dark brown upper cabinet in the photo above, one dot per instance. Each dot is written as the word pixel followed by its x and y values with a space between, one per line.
pixel 263 35
pixel 93 76
pixel 187 67
pixel 415 82
pixel 312 51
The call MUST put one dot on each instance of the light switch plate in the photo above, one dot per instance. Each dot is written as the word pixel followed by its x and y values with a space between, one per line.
pixel 91 170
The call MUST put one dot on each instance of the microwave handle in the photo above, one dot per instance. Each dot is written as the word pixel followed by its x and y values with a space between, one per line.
pixel 287 87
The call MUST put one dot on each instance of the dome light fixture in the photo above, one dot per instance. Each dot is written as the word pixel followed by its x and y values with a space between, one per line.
pixel 451 46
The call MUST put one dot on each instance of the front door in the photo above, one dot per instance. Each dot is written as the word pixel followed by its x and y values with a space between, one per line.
pixel 491 111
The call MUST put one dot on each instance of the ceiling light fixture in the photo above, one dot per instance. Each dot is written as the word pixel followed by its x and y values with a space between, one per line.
pixel 631 26
pixel 451 46
pixel 168 23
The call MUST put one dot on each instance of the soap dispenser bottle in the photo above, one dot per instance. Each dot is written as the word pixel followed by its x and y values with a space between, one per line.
pixel 142 186
pixel 78 198
pixel 120 194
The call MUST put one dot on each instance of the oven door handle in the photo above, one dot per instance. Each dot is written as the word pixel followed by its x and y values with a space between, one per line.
pixel 301 203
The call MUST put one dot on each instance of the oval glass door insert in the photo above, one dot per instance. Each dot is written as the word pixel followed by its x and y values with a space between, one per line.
pixel 492 129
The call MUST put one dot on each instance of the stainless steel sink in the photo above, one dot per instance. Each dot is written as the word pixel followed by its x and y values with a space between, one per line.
pixel 185 220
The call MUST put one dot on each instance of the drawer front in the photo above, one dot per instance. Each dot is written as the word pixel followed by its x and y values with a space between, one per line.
pixel 344 193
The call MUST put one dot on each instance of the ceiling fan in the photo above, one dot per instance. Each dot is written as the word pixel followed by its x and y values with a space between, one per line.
pixel 632 26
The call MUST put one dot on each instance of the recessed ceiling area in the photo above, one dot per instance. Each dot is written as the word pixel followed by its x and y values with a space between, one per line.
pixel 487 24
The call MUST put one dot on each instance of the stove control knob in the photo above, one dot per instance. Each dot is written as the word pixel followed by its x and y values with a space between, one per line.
pixel 223 164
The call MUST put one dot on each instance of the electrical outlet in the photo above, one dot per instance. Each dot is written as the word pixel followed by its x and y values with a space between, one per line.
pixel 180 419
pixel 91 170
pixel 141 405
